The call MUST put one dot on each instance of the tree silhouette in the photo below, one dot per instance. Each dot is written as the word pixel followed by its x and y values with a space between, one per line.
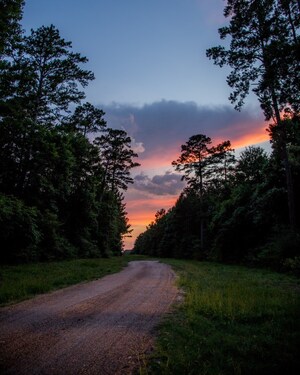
pixel 204 166
pixel 86 119
pixel 252 163
pixel 115 159
pixel 45 76
pixel 194 160
pixel 10 15
pixel 59 193
pixel 264 53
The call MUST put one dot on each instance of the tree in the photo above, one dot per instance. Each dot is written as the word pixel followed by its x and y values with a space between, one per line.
pixel 193 161
pixel 263 53
pixel 223 162
pixel 87 119
pixel 203 166
pixel 252 164
pixel 19 232
pixel 263 47
pixel 156 240
pixel 59 193
pixel 115 160
pixel 112 168
pixel 36 89
pixel 10 15
pixel 44 77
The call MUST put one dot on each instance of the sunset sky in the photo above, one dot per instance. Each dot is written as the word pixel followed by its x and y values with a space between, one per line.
pixel 153 80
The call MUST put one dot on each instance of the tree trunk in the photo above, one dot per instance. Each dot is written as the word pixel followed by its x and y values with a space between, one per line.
pixel 286 163
pixel 282 145
pixel 202 233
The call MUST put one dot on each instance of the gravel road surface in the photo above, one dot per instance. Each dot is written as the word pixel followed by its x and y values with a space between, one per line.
pixel 102 327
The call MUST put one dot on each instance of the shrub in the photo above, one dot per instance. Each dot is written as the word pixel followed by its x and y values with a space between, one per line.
pixel 19 232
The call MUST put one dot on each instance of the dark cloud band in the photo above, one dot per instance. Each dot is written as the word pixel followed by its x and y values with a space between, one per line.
pixel 166 184
pixel 163 126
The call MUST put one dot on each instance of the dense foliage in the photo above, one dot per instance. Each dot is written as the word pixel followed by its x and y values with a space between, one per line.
pixel 246 209
pixel 234 320
pixel 60 191
pixel 243 217
pixel 264 55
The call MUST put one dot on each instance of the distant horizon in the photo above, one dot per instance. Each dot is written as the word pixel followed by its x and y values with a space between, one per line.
pixel 148 217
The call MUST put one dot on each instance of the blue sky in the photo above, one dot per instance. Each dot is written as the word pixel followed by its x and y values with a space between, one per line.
pixel 153 80
pixel 141 51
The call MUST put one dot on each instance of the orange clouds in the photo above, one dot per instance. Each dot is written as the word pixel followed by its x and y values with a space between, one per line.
pixel 251 139
pixel 244 134
pixel 161 157
pixel 141 211
pixel 158 130
pixel 142 206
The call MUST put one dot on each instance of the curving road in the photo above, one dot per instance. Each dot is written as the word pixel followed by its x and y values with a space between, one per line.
pixel 102 327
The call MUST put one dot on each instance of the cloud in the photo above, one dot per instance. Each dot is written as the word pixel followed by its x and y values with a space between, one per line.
pixel 141 207
pixel 137 147
pixel 158 130
pixel 162 127
pixel 166 184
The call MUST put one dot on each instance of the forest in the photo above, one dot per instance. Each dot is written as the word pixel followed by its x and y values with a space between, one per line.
pixel 243 209
pixel 217 300
pixel 62 169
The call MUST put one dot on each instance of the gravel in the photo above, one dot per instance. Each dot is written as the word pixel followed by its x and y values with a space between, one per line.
pixel 103 327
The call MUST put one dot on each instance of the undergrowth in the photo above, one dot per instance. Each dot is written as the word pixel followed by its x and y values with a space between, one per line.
pixel 24 281
pixel 234 320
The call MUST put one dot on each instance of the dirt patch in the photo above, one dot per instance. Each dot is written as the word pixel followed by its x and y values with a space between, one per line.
pixel 102 327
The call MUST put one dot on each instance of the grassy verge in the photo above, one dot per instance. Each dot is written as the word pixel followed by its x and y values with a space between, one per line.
pixel 24 281
pixel 234 321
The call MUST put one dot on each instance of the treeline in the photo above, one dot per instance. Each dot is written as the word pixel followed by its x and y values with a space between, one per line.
pixel 246 209
pixel 231 210
pixel 62 170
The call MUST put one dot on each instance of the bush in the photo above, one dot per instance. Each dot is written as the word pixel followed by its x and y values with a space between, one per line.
pixel 292 265
pixel 54 244
pixel 19 232
pixel 281 252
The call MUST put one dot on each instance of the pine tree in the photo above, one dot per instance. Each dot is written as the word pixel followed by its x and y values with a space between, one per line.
pixel 264 54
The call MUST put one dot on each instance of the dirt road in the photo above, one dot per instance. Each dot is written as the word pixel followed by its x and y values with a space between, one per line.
pixel 101 327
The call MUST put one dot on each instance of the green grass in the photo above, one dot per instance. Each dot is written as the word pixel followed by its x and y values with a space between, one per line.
pixel 233 320
pixel 24 281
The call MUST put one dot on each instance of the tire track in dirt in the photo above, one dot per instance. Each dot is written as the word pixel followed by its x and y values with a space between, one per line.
pixel 102 327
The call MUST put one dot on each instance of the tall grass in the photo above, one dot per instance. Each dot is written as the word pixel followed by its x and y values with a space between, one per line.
pixel 24 281
pixel 233 320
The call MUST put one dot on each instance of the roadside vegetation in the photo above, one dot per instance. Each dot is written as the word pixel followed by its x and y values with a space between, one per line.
pixel 21 282
pixel 233 320
pixel 244 209
pixel 62 169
